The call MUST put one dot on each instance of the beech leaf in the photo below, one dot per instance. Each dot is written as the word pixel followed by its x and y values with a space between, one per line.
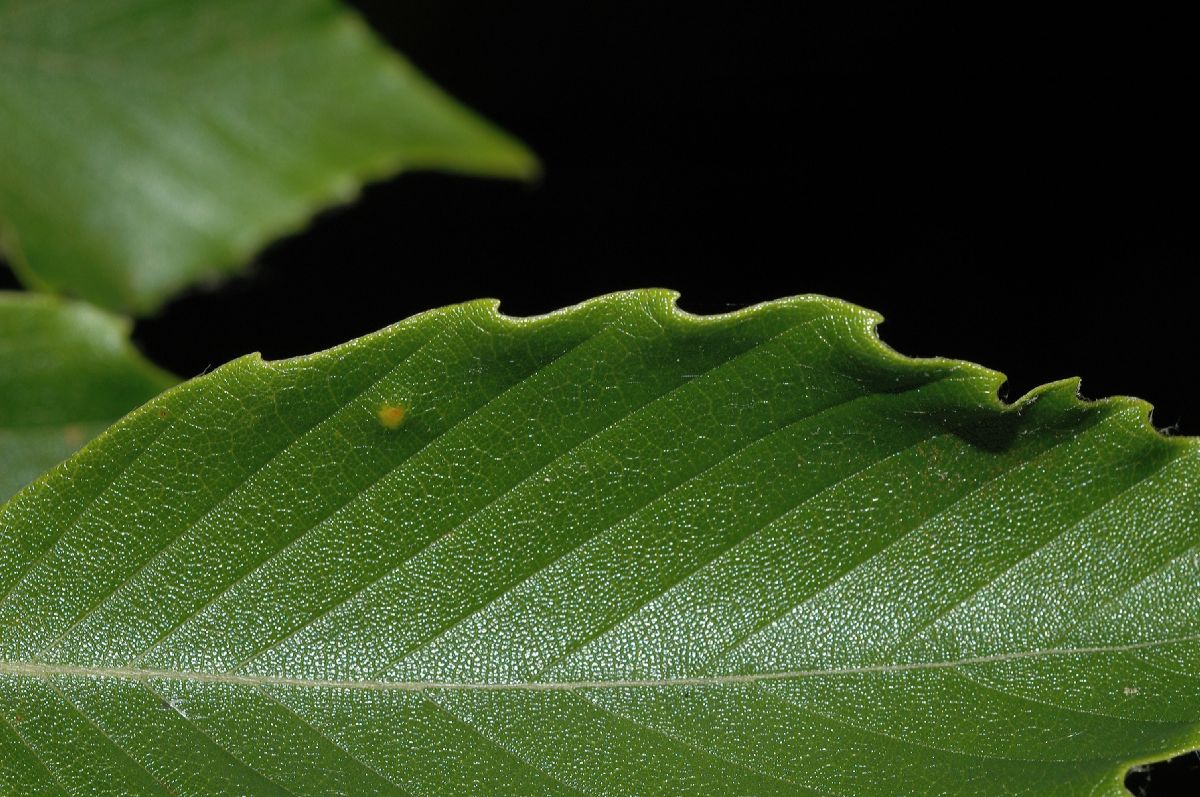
pixel 67 372
pixel 151 144
pixel 614 550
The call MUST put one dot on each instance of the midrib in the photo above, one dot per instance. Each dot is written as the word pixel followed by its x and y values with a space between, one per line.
pixel 51 670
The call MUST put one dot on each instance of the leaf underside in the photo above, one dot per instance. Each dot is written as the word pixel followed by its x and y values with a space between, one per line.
pixel 67 372
pixel 151 144
pixel 614 550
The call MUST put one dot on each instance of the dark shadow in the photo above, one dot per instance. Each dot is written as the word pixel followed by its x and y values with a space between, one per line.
pixel 1176 777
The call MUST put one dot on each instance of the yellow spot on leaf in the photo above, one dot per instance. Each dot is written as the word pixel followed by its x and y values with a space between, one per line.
pixel 392 415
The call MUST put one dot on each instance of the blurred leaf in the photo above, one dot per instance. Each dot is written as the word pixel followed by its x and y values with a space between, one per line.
pixel 150 144
pixel 67 372
pixel 613 550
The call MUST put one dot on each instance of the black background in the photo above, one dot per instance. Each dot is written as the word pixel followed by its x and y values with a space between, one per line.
pixel 1011 187
pixel 1016 189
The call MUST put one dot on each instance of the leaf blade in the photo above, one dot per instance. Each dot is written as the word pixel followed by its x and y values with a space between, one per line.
pixel 621 549
pixel 67 372
pixel 151 145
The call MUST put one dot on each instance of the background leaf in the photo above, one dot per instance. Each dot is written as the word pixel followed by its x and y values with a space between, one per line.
pixel 149 144
pixel 613 550
pixel 67 372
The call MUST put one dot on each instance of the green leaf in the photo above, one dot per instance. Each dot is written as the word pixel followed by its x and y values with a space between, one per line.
pixel 151 144
pixel 67 371
pixel 617 549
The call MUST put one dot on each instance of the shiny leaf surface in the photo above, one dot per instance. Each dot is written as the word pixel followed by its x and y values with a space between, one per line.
pixel 613 550
pixel 151 144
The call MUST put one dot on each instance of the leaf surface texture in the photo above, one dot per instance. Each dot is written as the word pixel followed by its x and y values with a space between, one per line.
pixel 613 550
